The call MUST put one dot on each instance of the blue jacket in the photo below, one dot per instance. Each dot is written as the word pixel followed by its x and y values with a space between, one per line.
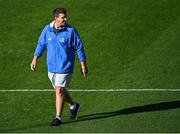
pixel 61 48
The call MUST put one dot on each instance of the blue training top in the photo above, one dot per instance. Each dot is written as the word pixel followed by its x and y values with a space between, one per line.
pixel 61 48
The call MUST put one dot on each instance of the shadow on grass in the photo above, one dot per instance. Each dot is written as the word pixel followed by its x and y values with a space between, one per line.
pixel 126 111
pixel 132 110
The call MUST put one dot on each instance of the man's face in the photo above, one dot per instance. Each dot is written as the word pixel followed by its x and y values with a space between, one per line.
pixel 61 19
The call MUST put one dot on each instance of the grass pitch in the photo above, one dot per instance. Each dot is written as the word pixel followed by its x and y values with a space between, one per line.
pixel 111 112
pixel 129 44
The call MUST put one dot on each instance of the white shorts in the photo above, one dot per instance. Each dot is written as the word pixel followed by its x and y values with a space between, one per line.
pixel 61 80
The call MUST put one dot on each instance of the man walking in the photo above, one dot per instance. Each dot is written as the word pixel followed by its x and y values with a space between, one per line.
pixel 61 42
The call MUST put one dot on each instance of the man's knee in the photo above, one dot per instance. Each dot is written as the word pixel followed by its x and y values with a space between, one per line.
pixel 59 90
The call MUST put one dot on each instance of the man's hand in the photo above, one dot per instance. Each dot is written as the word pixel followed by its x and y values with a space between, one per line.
pixel 33 63
pixel 84 69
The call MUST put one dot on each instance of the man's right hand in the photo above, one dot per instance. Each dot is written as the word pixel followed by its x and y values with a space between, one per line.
pixel 33 63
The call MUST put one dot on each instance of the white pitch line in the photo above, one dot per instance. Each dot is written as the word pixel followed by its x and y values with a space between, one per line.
pixel 120 90
pixel 92 90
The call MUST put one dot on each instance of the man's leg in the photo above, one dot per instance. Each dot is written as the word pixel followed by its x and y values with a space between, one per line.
pixel 59 105
pixel 68 98
pixel 74 107
pixel 59 100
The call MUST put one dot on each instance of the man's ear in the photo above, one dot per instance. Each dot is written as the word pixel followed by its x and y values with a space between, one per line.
pixel 55 18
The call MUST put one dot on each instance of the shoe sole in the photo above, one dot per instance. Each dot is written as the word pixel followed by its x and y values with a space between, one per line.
pixel 54 125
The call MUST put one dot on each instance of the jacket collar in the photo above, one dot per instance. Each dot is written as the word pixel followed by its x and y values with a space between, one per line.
pixel 52 27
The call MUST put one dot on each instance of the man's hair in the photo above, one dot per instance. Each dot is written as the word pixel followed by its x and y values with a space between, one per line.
pixel 58 11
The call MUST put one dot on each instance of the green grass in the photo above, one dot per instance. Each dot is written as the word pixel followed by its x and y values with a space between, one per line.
pixel 129 44
pixel 106 112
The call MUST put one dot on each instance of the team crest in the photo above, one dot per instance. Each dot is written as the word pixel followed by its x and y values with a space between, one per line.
pixel 62 40
pixel 49 38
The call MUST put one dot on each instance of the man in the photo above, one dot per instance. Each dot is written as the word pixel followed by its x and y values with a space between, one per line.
pixel 62 42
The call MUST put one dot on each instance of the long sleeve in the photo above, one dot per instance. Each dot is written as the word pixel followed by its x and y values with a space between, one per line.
pixel 41 45
pixel 78 46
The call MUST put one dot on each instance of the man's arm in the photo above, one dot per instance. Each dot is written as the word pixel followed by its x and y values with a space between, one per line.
pixel 84 68
pixel 33 63
pixel 39 49
pixel 78 45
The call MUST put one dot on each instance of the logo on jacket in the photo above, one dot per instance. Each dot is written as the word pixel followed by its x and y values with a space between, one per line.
pixel 62 40
pixel 49 38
